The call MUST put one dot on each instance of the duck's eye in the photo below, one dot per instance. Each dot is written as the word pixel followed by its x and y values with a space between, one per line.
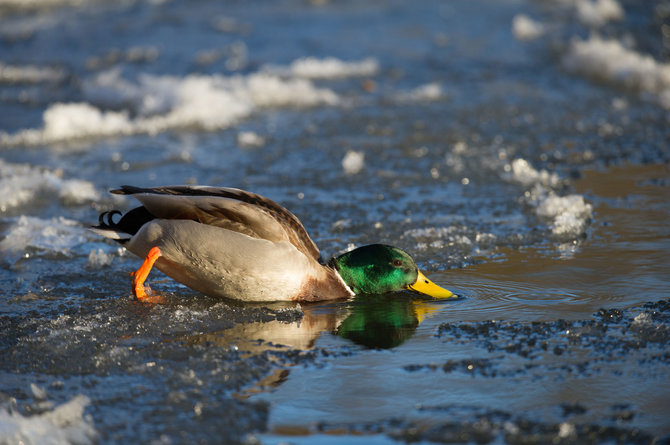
pixel 396 263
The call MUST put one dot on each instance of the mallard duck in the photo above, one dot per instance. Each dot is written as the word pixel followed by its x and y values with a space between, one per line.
pixel 226 242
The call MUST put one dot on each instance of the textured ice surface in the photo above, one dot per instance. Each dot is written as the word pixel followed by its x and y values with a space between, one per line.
pixel 167 102
pixel 31 235
pixel 332 68
pixel 353 162
pixel 524 173
pixel 422 93
pixel 596 13
pixel 64 424
pixel 608 60
pixel 39 3
pixel 97 258
pixel 30 74
pixel 569 215
pixel 525 28
pixel 249 139
pixel 22 183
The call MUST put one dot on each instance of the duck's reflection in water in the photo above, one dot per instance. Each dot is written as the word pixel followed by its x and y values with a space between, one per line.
pixel 371 321
pixel 384 321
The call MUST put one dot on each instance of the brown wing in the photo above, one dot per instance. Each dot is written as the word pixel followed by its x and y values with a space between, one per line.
pixel 228 208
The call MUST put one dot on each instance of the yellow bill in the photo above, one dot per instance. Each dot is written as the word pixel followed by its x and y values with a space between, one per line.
pixel 425 286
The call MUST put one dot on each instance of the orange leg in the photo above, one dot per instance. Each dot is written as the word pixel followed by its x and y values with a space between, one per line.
pixel 143 272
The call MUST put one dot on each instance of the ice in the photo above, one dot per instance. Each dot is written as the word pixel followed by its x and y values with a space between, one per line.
pixel 22 183
pixel 135 54
pixel 599 12
pixel 568 224
pixel 427 92
pixel 72 120
pixel 353 162
pixel 38 392
pixel 566 430
pixel 56 235
pixel 63 121
pixel 609 61
pixel 648 330
pixel 97 258
pixel 249 139
pixel 77 192
pixel 65 424
pixel 440 238
pixel 525 28
pixel 38 3
pixel 568 215
pixel 267 90
pixel 525 174
pixel 642 320
pixel 553 206
pixel 161 103
pixel 329 68
pixel 29 74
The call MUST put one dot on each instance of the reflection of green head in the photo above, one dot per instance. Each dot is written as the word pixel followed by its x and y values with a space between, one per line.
pixel 379 269
pixel 379 322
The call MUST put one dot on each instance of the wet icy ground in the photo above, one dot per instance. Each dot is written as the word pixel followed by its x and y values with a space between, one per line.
pixel 519 150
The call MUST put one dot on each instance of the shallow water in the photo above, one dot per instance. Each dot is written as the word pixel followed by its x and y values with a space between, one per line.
pixel 524 164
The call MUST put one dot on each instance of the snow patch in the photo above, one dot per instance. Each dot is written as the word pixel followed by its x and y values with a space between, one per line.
pixel 553 206
pixel 28 234
pixel 97 258
pixel 77 192
pixel 524 173
pixel 566 430
pixel 161 103
pixel 29 4
pixel 569 223
pixel 440 238
pixel 525 28
pixel 643 320
pixel 569 215
pixel 423 93
pixel 22 183
pixel 30 74
pixel 328 68
pixel 65 424
pixel 249 139
pixel 609 61
pixel 353 162
pixel 599 12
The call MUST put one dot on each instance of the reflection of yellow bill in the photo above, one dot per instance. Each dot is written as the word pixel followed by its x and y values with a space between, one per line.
pixel 421 309
pixel 425 286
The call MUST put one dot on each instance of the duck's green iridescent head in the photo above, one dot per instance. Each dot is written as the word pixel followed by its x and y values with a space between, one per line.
pixel 378 269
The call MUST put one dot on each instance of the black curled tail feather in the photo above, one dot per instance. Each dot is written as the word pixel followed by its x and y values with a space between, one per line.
pixel 106 220
pixel 127 226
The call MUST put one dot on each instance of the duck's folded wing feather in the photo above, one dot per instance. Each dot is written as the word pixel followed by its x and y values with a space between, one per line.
pixel 229 208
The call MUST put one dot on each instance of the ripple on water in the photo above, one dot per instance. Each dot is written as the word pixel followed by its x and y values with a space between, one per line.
pixel 496 298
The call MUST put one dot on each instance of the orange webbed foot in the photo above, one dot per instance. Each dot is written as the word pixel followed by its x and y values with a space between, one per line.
pixel 142 273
